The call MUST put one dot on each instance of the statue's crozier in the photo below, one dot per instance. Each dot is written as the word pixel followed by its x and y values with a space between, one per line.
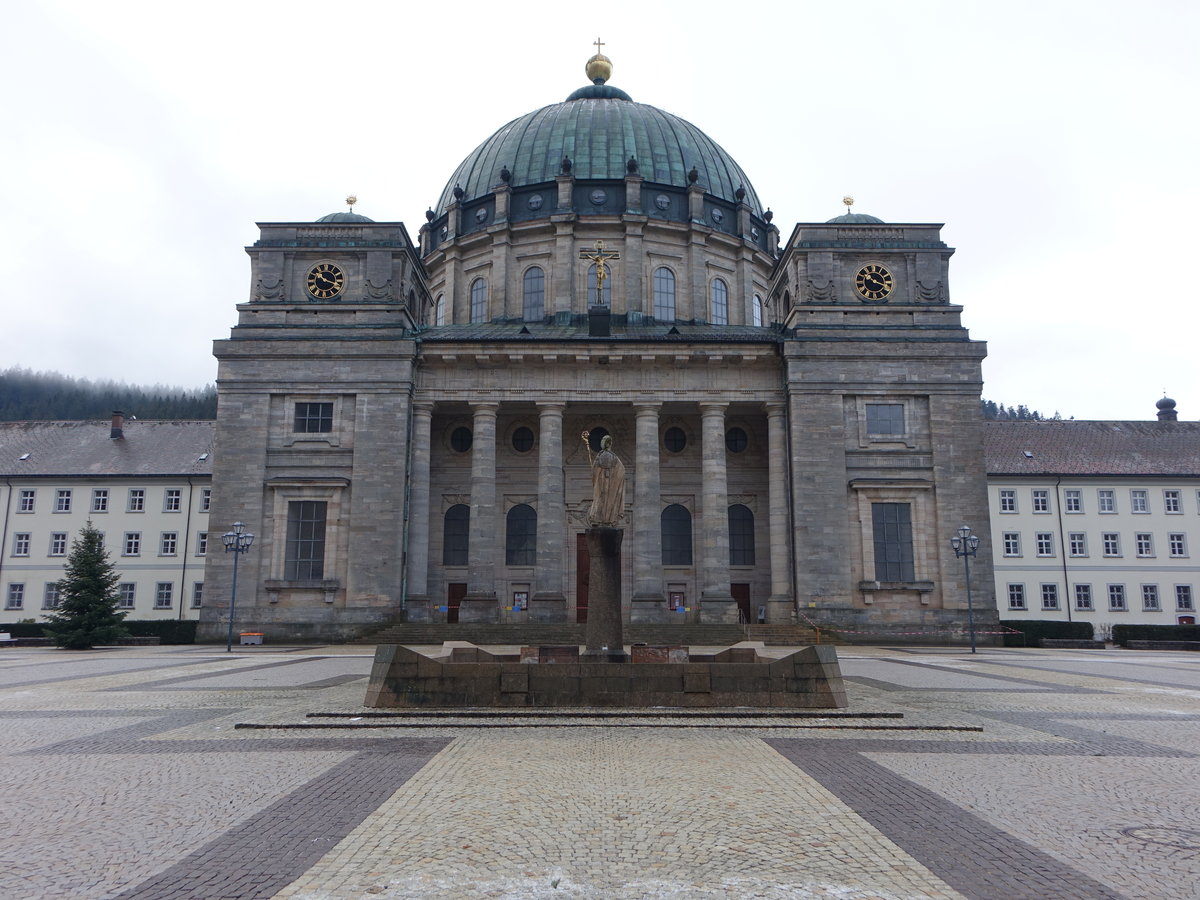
pixel 608 484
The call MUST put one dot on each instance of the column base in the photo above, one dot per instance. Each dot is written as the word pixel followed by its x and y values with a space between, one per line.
pixel 649 609
pixel 718 610
pixel 418 609
pixel 547 608
pixel 781 610
pixel 479 608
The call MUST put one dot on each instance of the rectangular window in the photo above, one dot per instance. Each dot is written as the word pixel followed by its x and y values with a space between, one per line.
pixel 197 594
pixel 1045 543
pixel 1183 597
pixel 1049 596
pixel 62 500
pixel 1012 543
pixel 304 558
pixel 885 418
pixel 16 597
pixel 1177 541
pixel 133 543
pixel 1138 502
pixel 1016 596
pixel 126 591
pixel 100 500
pixel 1083 596
pixel 1116 597
pixel 21 543
pixel 162 594
pixel 1172 502
pixel 1041 501
pixel 313 418
pixel 1150 597
pixel 201 543
pixel 892 526
pixel 205 499
pixel 1107 500
pixel 1008 500
pixel 50 595
pixel 26 502
pixel 172 500
pixel 1112 543
pixel 137 500
pixel 1073 500
pixel 167 543
pixel 1144 543
pixel 1077 542
pixel 58 543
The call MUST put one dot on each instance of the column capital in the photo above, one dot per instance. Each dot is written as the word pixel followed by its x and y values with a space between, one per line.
pixel 713 407
pixel 423 407
pixel 647 407
pixel 775 407
pixel 485 408
pixel 549 407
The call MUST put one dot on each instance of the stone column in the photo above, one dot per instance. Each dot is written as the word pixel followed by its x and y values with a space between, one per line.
pixel 781 603
pixel 479 605
pixel 549 602
pixel 417 601
pixel 649 603
pixel 716 602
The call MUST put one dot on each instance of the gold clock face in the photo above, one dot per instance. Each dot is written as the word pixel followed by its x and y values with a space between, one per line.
pixel 874 282
pixel 325 280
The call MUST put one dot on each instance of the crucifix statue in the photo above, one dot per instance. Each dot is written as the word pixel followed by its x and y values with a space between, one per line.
pixel 600 256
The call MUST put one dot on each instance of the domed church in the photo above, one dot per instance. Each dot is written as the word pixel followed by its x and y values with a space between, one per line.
pixel 405 425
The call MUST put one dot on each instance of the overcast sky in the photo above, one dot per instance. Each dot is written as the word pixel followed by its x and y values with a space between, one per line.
pixel 1058 141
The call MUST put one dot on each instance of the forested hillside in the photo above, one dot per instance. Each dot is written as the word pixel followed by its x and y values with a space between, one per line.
pixel 993 410
pixel 48 395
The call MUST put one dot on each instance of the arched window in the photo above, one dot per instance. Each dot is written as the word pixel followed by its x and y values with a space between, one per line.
pixel 456 528
pixel 439 310
pixel 676 536
pixel 534 294
pixel 606 300
pixel 756 311
pixel 664 294
pixel 720 302
pixel 741 536
pixel 520 536
pixel 479 300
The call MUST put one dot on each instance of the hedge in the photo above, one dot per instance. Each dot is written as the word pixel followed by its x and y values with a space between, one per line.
pixel 24 629
pixel 1124 633
pixel 1034 630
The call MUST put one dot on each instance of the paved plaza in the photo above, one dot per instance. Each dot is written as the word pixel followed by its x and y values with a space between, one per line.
pixel 1009 774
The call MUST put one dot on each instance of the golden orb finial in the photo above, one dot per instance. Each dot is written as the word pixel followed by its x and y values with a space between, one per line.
pixel 599 67
pixel 849 201
pixel 350 201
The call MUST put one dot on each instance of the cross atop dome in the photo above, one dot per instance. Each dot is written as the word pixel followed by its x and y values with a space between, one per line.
pixel 599 67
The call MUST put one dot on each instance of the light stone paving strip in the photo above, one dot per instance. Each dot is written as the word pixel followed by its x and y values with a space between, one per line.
pixel 614 813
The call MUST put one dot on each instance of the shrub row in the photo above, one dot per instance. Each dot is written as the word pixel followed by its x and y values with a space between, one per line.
pixel 1124 633
pixel 1033 630
pixel 168 631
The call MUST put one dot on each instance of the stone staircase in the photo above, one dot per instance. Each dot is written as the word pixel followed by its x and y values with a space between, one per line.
pixel 533 635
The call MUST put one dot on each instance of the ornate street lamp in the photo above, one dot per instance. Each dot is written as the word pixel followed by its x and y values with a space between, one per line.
pixel 237 542
pixel 965 546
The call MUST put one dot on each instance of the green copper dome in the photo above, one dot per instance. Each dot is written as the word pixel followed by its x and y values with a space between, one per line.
pixel 599 129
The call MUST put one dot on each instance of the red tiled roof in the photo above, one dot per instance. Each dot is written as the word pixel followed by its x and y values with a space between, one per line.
pixel 85 448
pixel 1092 448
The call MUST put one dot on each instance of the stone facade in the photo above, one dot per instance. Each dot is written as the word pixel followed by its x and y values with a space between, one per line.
pixel 418 429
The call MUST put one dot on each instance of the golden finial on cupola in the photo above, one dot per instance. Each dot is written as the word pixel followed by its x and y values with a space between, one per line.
pixel 599 67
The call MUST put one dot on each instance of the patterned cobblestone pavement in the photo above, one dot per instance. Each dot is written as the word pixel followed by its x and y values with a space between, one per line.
pixel 126 777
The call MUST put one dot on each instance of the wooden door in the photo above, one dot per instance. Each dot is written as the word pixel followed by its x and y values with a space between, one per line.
pixel 583 570
pixel 741 593
pixel 455 591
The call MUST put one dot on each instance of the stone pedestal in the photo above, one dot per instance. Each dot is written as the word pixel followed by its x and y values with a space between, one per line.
pixel 605 637
pixel 651 610
pixel 418 609
pixel 547 609
pixel 780 610
pixel 479 608
pixel 719 610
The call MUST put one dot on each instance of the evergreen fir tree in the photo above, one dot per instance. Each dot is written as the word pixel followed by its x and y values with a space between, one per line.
pixel 87 610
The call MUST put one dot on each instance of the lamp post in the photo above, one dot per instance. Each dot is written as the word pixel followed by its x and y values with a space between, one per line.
pixel 965 546
pixel 237 542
